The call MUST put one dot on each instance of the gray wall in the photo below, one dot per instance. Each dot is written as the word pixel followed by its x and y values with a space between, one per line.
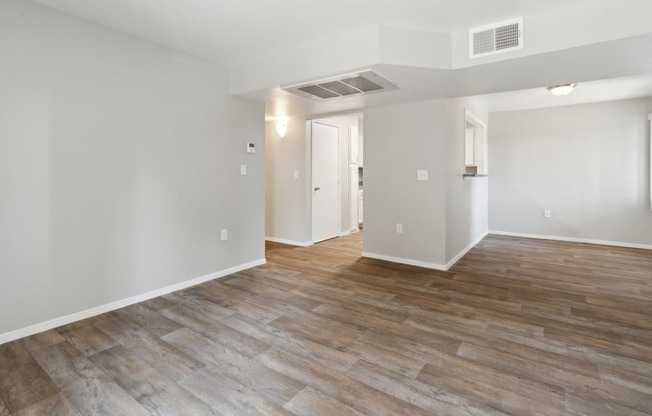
pixel 466 197
pixel 399 140
pixel 588 164
pixel 119 165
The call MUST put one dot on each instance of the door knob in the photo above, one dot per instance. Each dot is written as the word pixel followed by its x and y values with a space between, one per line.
pixel 317 188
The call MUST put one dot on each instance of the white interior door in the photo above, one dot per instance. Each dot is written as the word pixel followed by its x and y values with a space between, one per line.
pixel 325 182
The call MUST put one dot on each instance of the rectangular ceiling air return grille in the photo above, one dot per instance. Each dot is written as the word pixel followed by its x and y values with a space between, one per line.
pixel 365 82
pixel 483 42
pixel 507 36
pixel 497 38
pixel 319 91
pixel 339 87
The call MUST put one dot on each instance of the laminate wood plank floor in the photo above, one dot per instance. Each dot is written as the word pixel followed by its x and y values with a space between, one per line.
pixel 516 327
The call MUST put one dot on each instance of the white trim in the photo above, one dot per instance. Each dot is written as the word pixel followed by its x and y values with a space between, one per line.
pixel 345 233
pixel 77 316
pixel 400 260
pixel 573 240
pixel 466 250
pixel 289 242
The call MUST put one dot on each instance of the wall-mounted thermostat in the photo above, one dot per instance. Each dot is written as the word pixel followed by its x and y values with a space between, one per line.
pixel 251 147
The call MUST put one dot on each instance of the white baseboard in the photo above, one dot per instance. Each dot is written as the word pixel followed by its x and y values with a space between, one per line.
pixel 401 260
pixel 466 250
pixel 289 242
pixel 77 316
pixel 434 266
pixel 572 239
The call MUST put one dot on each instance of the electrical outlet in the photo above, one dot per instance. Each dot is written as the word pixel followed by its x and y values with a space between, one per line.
pixel 546 213
pixel 399 228
pixel 422 175
pixel 224 235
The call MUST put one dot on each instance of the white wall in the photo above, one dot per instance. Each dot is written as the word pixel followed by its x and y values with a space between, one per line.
pixel 588 164
pixel 119 165
pixel 399 140
pixel 466 197
pixel 286 204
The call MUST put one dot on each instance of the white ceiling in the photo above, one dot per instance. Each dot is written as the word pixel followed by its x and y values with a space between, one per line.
pixel 256 37
pixel 587 92
pixel 235 31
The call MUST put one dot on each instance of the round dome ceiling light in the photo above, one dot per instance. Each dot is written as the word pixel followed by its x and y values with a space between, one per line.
pixel 561 89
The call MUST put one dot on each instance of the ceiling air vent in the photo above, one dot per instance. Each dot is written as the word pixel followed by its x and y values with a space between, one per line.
pixel 496 38
pixel 365 82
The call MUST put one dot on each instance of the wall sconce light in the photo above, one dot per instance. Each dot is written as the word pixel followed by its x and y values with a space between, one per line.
pixel 281 128
pixel 561 89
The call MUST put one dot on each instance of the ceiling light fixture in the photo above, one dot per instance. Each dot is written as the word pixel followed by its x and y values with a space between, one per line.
pixel 561 89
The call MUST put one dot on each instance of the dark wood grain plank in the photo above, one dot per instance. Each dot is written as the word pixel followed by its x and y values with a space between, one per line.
pixel 151 321
pixel 310 402
pixel 84 384
pixel 3 408
pixel 230 397
pixel 216 331
pixel 313 351
pixel 269 384
pixel 22 381
pixel 149 387
pixel 41 340
pixel 338 386
pixel 437 399
pixel 168 360
pixel 56 405
pixel 86 337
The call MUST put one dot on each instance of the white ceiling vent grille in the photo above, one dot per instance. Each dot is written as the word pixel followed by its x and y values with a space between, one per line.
pixel 365 82
pixel 497 38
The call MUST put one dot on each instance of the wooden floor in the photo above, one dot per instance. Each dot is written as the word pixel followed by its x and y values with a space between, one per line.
pixel 517 327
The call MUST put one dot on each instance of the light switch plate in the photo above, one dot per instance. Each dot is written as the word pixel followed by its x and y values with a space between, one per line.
pixel 422 175
pixel 224 235
pixel 296 174
pixel 243 170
